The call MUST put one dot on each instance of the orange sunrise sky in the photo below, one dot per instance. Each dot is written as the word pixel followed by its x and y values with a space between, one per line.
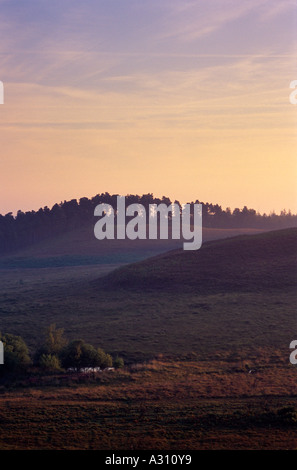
pixel 188 99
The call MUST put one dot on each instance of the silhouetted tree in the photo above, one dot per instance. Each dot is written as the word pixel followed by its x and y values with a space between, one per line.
pixel 27 228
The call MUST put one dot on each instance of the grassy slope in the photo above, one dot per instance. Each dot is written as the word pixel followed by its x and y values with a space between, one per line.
pixel 244 317
pixel 241 264
pixel 230 296
pixel 79 247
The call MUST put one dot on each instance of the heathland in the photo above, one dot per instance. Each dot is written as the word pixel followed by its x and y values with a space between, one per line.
pixel 205 336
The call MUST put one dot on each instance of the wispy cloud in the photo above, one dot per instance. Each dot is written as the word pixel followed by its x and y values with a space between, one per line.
pixel 180 84
pixel 195 20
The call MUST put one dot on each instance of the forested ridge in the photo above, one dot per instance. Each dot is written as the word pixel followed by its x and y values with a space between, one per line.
pixel 27 228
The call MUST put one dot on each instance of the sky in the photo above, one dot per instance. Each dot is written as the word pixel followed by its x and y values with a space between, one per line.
pixel 182 98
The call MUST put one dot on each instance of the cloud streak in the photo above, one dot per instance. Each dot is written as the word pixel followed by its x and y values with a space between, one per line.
pixel 104 92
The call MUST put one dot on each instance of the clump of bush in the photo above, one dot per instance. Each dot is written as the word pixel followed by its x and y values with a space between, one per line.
pixel 50 363
pixel 54 354
pixel 79 354
pixel 16 355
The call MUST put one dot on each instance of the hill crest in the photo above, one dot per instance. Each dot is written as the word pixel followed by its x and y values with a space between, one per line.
pixel 244 262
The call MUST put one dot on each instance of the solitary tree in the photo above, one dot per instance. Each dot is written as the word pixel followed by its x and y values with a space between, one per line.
pixel 52 344
pixel 54 339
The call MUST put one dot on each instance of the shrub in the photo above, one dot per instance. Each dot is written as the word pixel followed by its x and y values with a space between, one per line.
pixel 53 343
pixel 105 360
pixel 79 354
pixel 118 363
pixel 16 354
pixel 50 363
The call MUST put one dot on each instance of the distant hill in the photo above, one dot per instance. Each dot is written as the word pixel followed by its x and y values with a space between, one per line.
pixel 242 263
pixel 76 217
pixel 79 247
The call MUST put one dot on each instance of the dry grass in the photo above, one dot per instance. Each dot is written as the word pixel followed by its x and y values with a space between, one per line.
pixel 159 405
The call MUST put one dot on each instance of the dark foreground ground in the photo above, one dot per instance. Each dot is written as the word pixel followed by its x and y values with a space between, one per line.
pixel 160 405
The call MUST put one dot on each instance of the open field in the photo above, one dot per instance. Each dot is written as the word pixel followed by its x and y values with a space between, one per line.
pixel 205 336
pixel 79 247
pixel 230 295
pixel 161 405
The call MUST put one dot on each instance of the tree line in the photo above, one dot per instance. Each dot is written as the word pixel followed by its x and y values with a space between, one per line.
pixel 54 354
pixel 28 228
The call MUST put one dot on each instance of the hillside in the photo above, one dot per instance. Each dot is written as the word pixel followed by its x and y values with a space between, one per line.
pixel 244 263
pixel 79 247
pixel 232 295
